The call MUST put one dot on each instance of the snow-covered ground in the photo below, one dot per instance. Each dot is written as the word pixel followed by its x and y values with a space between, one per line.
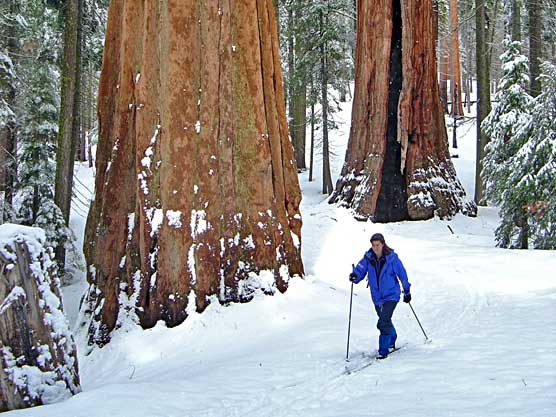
pixel 490 314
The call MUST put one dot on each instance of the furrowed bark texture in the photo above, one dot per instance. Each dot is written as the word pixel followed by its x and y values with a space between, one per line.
pixel 68 136
pixel 455 65
pixel 417 148
pixel 196 186
pixel 38 354
pixel 444 73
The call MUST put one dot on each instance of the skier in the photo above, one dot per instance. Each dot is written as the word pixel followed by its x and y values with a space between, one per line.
pixel 383 269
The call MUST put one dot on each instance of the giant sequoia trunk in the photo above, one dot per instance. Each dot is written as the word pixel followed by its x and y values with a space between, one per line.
pixel 196 188
pixel 397 163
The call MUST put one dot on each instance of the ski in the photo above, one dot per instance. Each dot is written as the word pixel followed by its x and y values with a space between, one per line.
pixel 369 360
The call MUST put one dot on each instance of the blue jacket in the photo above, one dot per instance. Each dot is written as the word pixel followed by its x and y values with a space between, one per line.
pixel 385 287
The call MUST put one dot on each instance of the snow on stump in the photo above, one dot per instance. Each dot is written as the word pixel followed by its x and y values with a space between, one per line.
pixel 37 350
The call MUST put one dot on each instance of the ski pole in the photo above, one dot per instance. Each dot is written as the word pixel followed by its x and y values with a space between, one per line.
pixel 349 322
pixel 426 338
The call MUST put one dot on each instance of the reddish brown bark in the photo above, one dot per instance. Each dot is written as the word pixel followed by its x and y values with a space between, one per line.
pixel 419 147
pixel 455 66
pixel 444 73
pixel 194 154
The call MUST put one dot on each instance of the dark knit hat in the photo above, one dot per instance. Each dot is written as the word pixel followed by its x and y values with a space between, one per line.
pixel 379 237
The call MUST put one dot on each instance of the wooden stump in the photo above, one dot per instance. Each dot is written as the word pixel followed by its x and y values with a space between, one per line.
pixel 37 350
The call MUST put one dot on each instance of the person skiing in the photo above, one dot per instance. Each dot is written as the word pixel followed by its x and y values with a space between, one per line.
pixel 383 269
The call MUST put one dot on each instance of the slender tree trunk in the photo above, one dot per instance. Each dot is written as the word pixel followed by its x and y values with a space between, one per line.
pixel 483 94
pixel 516 21
pixel 91 115
pixel 81 148
pixel 299 124
pixel 80 151
pixel 312 147
pixel 490 31
pixel 455 66
pixel 8 133
pixel 535 46
pixel 521 221
pixel 8 159
pixel 469 70
pixel 444 73
pixel 468 81
pixel 196 188
pixel 398 146
pixel 298 90
pixel 312 150
pixel 327 186
pixel 87 110
pixel 68 135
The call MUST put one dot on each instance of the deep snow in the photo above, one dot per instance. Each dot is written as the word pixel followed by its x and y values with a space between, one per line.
pixel 490 314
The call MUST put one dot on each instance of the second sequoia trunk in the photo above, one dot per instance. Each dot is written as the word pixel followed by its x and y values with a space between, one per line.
pixel 397 163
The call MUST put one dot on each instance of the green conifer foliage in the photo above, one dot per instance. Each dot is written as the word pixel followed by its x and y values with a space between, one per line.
pixel 537 163
pixel 39 107
pixel 7 77
pixel 520 163
pixel 301 61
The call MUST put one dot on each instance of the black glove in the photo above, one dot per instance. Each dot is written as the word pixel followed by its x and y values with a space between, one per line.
pixel 352 277
pixel 407 297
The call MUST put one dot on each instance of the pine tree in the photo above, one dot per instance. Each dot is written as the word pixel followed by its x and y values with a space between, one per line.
pixel 535 163
pixel 520 165
pixel 455 64
pixel 68 132
pixel 7 78
pixel 39 106
pixel 7 121
pixel 7 82
pixel 11 27
pixel 307 45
